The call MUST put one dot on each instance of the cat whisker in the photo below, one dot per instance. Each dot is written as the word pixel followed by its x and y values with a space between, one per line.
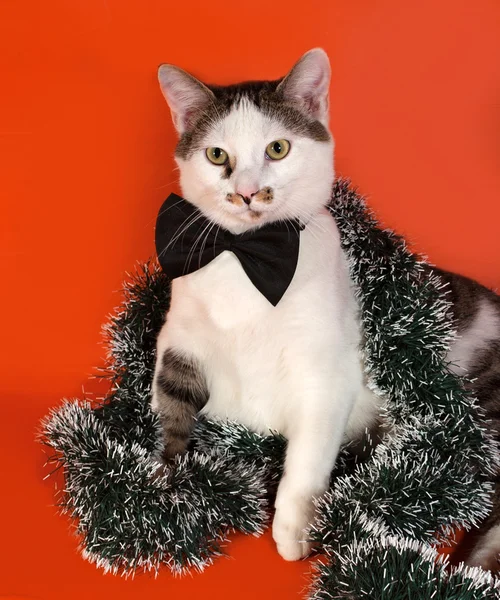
pixel 215 238
pixel 205 242
pixel 162 212
pixel 166 184
pixel 309 222
pixel 193 247
pixel 183 228
pixel 180 230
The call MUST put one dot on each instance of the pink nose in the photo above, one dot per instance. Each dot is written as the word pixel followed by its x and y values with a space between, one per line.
pixel 247 191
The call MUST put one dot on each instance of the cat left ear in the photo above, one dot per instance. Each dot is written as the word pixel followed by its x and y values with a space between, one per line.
pixel 308 83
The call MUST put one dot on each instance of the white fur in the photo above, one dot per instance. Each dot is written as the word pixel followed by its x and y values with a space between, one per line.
pixel 294 368
pixel 481 332
pixel 489 547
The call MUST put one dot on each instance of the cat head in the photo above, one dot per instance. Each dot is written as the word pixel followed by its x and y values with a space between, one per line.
pixel 254 152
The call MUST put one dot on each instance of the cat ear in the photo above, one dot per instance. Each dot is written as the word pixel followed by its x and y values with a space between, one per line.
pixel 186 96
pixel 308 83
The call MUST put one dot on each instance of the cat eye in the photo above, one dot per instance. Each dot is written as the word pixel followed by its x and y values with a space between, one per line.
pixel 217 156
pixel 278 149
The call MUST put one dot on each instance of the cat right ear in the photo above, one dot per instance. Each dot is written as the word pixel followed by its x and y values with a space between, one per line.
pixel 185 95
pixel 307 85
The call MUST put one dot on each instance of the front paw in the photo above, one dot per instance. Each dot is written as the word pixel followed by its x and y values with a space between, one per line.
pixel 289 530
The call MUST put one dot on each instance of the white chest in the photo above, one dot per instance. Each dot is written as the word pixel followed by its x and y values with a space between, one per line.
pixel 252 352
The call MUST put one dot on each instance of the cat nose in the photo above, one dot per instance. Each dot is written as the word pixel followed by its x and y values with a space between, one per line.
pixel 246 192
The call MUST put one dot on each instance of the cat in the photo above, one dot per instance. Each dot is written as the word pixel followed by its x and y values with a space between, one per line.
pixel 256 153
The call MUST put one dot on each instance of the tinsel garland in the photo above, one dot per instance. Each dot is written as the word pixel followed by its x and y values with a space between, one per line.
pixel 382 516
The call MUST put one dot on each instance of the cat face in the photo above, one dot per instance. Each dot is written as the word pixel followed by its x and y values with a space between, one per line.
pixel 256 152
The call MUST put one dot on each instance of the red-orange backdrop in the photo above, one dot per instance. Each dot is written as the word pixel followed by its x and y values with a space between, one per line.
pixel 86 159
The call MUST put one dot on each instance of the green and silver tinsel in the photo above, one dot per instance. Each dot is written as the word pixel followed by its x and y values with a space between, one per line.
pixel 381 519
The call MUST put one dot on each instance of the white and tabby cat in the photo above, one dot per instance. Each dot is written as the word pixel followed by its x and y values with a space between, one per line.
pixel 251 154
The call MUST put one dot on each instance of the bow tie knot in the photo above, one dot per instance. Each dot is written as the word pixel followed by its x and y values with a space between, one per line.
pixel 228 241
pixel 185 242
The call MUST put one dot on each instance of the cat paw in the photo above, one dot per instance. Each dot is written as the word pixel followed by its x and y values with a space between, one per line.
pixel 290 537
pixel 291 550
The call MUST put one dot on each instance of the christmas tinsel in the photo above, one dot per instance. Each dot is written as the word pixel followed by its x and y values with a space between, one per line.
pixel 379 523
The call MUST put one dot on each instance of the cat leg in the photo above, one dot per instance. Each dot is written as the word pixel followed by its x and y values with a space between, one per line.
pixel 179 393
pixel 313 444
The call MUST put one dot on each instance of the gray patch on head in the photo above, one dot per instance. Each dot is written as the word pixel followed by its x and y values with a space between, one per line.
pixel 266 97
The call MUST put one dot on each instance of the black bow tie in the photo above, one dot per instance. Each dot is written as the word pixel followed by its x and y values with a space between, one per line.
pixel 186 241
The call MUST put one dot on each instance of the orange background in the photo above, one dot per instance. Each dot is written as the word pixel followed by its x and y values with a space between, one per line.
pixel 86 145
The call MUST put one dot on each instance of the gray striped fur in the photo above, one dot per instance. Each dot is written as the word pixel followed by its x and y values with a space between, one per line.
pixel 180 393
pixel 468 298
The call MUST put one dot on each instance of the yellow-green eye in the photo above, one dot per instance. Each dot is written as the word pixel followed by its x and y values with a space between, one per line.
pixel 278 149
pixel 218 156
